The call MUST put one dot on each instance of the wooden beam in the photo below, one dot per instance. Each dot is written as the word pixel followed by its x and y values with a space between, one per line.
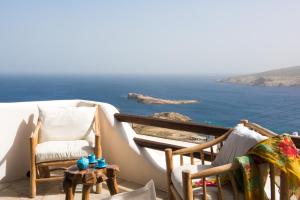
pixel 54 178
pixel 187 126
pixel 170 124
pixel 155 144
pixel 162 146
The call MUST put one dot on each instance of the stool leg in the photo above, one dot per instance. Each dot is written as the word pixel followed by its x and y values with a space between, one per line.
pixel 86 192
pixel 112 181
pixel 98 188
pixel 69 189
pixel 74 189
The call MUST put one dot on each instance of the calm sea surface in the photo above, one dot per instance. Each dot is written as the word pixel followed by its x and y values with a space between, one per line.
pixel 220 104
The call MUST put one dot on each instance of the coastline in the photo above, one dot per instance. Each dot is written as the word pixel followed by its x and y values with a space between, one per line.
pixel 221 104
pixel 284 77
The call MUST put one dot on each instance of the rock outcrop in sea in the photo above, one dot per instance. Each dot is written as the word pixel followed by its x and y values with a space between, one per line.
pixel 286 77
pixel 169 133
pixel 152 100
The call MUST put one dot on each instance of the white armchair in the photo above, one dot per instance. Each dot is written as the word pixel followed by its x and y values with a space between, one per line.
pixel 62 135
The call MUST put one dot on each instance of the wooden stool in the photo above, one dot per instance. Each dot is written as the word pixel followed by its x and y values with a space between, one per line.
pixel 89 177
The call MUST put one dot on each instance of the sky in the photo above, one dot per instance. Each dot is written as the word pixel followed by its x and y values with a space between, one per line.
pixel 148 37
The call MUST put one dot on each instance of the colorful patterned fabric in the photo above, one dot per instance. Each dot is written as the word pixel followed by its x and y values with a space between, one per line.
pixel 199 183
pixel 278 150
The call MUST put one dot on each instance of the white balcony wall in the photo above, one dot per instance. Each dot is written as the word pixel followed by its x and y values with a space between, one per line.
pixel 18 120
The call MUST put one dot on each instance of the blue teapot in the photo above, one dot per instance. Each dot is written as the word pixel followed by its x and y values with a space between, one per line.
pixel 83 163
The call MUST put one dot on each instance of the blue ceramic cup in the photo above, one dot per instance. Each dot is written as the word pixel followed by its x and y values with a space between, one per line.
pixel 101 163
pixel 92 158
pixel 82 163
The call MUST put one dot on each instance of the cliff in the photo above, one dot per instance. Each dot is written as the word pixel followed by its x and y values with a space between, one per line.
pixel 287 77
pixel 169 133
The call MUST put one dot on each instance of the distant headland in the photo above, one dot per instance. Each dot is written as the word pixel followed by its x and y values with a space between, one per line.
pixel 286 77
pixel 169 133
pixel 151 100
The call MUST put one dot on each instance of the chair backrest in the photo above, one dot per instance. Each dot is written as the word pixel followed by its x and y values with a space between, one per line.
pixel 262 130
pixel 240 140
pixel 277 179
pixel 66 123
pixel 267 132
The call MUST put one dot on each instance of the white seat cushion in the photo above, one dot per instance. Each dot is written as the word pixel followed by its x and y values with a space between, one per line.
pixel 176 175
pixel 145 193
pixel 212 191
pixel 65 123
pixel 62 150
pixel 240 140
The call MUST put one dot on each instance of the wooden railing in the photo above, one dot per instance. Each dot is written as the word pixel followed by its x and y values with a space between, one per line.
pixel 164 123
pixel 175 125
pixel 207 130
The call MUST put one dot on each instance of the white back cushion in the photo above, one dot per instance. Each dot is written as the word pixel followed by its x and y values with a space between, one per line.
pixel 240 140
pixel 65 123
pixel 145 193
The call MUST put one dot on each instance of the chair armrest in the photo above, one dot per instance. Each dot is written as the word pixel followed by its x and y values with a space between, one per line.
pixel 97 134
pixel 35 134
pixel 34 141
pixel 98 149
pixel 200 147
pixel 97 122
pixel 215 170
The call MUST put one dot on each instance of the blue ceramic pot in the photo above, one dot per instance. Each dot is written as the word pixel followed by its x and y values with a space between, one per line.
pixel 92 158
pixel 101 163
pixel 83 163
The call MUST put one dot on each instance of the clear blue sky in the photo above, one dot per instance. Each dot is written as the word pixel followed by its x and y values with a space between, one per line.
pixel 168 37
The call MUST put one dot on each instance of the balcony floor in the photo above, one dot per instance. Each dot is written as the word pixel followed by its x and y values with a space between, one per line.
pixel 20 190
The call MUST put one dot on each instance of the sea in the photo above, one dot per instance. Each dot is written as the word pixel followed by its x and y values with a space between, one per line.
pixel 276 108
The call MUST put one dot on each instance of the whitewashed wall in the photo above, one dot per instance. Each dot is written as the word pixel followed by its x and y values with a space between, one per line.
pixel 17 121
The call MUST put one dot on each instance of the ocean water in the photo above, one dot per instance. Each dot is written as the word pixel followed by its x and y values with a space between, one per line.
pixel 277 108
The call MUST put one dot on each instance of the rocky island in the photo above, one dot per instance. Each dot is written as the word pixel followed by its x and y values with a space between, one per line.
pixel 151 100
pixel 286 77
pixel 169 133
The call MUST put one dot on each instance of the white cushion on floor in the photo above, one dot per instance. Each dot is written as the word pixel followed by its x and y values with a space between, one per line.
pixel 240 140
pixel 145 193
pixel 62 150
pixel 65 123
pixel 212 191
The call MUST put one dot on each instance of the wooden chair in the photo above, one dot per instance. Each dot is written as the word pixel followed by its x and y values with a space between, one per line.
pixel 40 172
pixel 228 169
pixel 188 177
